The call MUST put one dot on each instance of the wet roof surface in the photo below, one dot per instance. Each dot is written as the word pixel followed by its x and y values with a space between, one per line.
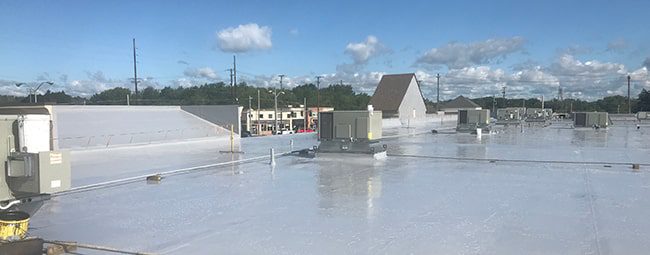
pixel 349 204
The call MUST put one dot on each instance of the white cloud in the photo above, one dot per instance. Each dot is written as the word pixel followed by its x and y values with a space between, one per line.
pixel 203 72
pixel 363 51
pixel 244 38
pixel 294 32
pixel 459 55
pixel 568 65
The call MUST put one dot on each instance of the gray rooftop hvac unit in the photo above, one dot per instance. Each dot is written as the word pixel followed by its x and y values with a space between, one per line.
pixel 350 132
pixel 538 114
pixel 470 120
pixel 643 116
pixel 590 119
pixel 510 115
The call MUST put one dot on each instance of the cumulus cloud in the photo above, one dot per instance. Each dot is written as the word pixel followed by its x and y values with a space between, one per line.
pixel 244 38
pixel 646 63
pixel 458 55
pixel 567 65
pixel 9 88
pixel 361 52
pixel 204 72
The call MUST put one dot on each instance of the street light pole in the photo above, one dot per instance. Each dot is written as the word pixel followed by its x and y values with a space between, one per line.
pixel 438 92
pixel 258 111
pixel 39 86
pixel 318 104
pixel 33 91
pixel 275 101
pixel 281 77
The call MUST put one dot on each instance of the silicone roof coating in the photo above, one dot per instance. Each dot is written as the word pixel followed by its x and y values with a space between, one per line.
pixel 544 191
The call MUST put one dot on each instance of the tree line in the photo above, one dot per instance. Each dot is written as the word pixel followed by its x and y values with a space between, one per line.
pixel 339 96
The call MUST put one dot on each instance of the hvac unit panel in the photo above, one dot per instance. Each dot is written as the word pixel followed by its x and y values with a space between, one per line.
pixel 36 130
pixel 49 173
pixel 343 131
pixel 326 125
pixel 580 119
pixel 462 117
pixel 361 128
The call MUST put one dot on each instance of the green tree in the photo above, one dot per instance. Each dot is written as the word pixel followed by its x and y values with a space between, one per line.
pixel 643 103
pixel 111 96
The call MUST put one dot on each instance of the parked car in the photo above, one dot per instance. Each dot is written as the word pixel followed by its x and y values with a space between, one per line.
pixel 286 132
pixel 246 133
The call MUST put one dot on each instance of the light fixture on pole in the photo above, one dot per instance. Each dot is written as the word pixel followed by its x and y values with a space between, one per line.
pixel 275 101
pixel 39 86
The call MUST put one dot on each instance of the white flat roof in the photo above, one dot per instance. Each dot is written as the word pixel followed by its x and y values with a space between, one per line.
pixel 336 204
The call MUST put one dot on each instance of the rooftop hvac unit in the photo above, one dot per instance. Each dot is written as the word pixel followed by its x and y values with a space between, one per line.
pixel 580 119
pixel 591 119
pixel 351 132
pixel 643 115
pixel 469 120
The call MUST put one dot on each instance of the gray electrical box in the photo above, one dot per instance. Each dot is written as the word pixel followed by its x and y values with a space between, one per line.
pixel 43 172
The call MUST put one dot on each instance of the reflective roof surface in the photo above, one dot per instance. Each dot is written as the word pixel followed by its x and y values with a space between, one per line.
pixel 413 202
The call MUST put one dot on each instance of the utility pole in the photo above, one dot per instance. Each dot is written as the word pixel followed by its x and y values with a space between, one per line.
pixel 438 92
pixel 494 105
pixel 281 111
pixel 503 92
pixel 231 82
pixel 281 76
pixel 304 125
pixel 234 74
pixel 629 101
pixel 250 113
pixel 318 104
pixel 258 111
pixel 275 94
pixel 135 71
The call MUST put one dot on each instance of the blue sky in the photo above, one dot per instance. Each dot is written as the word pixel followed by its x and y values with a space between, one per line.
pixel 531 47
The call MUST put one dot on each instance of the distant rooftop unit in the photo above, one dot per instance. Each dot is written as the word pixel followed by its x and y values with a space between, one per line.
pixel 591 119
pixel 510 115
pixel 538 114
pixel 470 120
